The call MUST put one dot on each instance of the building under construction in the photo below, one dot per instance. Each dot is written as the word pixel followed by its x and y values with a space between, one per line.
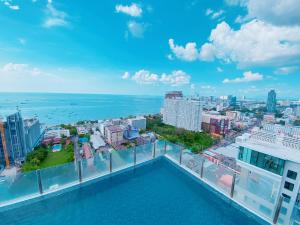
pixel 4 155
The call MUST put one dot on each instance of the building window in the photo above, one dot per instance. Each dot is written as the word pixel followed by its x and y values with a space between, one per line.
pixel 289 186
pixel 261 160
pixel 292 174
pixel 283 210
pixel 286 198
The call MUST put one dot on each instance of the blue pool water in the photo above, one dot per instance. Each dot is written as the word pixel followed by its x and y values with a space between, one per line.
pixel 154 194
pixel 83 140
pixel 56 148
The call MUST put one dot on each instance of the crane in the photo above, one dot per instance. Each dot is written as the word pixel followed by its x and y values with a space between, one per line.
pixel 2 131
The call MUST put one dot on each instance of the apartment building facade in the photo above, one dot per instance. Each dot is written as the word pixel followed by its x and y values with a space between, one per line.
pixel 183 113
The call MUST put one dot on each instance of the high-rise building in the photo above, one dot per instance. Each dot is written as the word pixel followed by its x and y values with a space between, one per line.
pixel 18 138
pixel 231 100
pixel 32 133
pixel 271 101
pixel 269 168
pixel 183 113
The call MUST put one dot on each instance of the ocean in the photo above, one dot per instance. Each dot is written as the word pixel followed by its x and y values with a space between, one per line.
pixel 55 109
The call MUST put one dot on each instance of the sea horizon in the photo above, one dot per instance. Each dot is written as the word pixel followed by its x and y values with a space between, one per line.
pixel 58 108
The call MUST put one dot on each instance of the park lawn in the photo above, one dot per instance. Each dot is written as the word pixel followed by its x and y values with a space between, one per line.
pixel 196 141
pixel 57 158
pixel 43 157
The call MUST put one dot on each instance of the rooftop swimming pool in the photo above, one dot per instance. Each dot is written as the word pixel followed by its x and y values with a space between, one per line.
pixel 156 193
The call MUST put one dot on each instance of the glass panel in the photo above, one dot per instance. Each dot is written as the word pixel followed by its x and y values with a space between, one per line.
pixel 21 185
pixel 122 159
pixel 96 166
pixel 192 161
pixel 160 147
pixel 144 152
pixel 289 213
pixel 58 176
pixel 257 192
pixel 218 176
pixel 173 151
pixel 295 218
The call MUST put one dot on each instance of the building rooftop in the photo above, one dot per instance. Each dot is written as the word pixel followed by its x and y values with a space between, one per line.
pixel 115 128
pixel 281 146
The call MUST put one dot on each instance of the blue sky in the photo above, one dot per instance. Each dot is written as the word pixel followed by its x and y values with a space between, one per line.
pixel 240 47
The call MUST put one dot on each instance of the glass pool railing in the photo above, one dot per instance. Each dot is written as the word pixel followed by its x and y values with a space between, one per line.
pixel 252 191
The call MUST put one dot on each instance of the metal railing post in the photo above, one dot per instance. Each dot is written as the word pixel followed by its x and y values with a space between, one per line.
pixel 39 181
pixel 134 155
pixel 154 150
pixel 79 166
pixel 277 209
pixel 165 150
pixel 180 155
pixel 202 168
pixel 110 162
pixel 232 185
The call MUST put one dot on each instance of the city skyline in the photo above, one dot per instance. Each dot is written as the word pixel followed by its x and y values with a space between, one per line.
pixel 197 47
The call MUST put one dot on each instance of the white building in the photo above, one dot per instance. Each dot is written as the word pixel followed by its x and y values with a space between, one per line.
pixel 270 168
pixel 103 125
pixel 114 134
pixel 183 113
pixel 138 122
pixel 233 115
pixel 97 140
pixel 56 133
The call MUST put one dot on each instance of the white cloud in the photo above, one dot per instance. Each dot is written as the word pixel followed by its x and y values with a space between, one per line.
pixel 132 10
pixel 136 29
pixel 55 17
pixel 176 78
pixel 22 41
pixel 247 77
pixel 145 77
pixel 207 52
pixel 278 12
pixel 208 12
pixel 217 14
pixel 193 86
pixel 126 75
pixel 170 57
pixel 20 69
pixel 255 43
pixel 206 87
pixel 214 14
pixel 219 69
pixel 10 4
pixel 14 67
pixel 188 52
pixel 286 70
